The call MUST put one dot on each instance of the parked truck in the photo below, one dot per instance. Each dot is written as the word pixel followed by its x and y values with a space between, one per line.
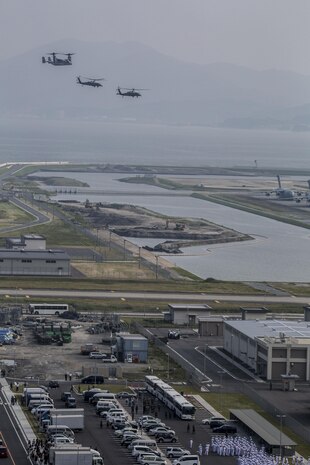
pixel 86 349
pixel 74 422
pixel 71 454
pixel 67 411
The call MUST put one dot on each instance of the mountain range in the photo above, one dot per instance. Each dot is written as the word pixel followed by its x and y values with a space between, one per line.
pixel 218 94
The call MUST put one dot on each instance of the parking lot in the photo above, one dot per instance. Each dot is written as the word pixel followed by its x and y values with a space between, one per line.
pixel 103 437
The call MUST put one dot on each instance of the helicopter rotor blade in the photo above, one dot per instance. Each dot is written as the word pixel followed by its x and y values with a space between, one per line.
pixel 133 89
pixel 93 79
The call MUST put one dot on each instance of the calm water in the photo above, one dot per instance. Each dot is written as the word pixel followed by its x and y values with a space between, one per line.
pixel 280 252
pixel 128 143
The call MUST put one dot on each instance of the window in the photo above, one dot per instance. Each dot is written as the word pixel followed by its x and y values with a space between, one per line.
pixel 26 260
pixel 50 261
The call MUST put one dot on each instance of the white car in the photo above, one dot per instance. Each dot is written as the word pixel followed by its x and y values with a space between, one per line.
pixel 187 460
pixel 137 450
pixel 36 411
pixel 145 418
pixel 152 460
pixel 119 433
pixel 207 421
pixel 175 452
pixel 96 355
pixel 160 429
pixel 61 439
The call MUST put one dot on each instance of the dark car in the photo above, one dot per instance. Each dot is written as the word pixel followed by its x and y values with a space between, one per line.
pixel 165 437
pixel 129 439
pixel 64 395
pixel 226 429
pixel 53 384
pixel 70 402
pixel 217 423
pixel 93 379
pixel 89 394
pixel 125 395
pixel 3 452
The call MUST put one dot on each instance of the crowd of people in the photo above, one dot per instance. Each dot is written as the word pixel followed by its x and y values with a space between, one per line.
pixel 38 451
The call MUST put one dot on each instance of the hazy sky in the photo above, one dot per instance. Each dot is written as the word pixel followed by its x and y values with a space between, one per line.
pixel 256 33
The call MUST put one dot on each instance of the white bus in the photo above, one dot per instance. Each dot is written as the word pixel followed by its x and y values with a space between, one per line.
pixel 47 309
pixel 170 397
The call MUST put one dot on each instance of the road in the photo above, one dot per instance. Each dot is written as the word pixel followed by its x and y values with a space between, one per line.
pixel 11 436
pixel 156 296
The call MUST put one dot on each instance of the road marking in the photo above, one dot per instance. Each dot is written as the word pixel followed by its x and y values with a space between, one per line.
pixel 9 452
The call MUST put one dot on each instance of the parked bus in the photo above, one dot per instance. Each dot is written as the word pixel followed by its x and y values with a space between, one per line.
pixel 47 309
pixel 170 397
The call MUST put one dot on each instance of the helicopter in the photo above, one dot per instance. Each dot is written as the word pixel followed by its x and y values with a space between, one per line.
pixel 89 82
pixel 58 61
pixel 130 92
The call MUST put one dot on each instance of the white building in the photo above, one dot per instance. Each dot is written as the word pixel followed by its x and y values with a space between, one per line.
pixel 271 348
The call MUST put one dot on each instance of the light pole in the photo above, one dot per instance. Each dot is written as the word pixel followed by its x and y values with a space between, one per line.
pixel 156 270
pixel 221 373
pixel 168 371
pixel 281 429
pixel 124 249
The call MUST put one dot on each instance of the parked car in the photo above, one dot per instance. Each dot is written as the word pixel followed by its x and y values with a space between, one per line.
pixel 145 418
pixel 226 428
pixel 217 423
pixel 175 452
pixel 61 439
pixel 128 440
pixel 187 460
pixel 137 450
pixel 70 402
pixel 90 393
pixel 3 451
pixel 96 355
pixel 152 460
pixel 141 455
pixel 119 433
pixel 53 384
pixel 160 438
pixel 147 426
pixel 125 395
pixel 93 379
pixel 207 421
pixel 160 429
pixel 65 395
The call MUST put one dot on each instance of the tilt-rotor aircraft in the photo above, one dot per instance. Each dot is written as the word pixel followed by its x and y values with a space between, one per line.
pixel 53 59
pixel 129 92
pixel 89 81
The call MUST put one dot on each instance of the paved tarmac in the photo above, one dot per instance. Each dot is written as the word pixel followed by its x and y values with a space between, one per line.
pixel 157 296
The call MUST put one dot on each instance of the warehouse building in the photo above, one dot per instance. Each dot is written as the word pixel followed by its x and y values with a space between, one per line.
pixel 273 349
pixel 180 314
pixel 34 262
pixel 131 348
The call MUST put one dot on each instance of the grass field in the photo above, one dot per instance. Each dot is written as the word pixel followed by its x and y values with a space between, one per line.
pixel 11 215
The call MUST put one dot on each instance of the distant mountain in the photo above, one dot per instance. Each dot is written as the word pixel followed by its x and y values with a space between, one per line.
pixel 218 94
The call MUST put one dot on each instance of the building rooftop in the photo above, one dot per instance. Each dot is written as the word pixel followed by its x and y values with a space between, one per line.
pixel 33 237
pixel 184 307
pixel 265 430
pixel 133 336
pixel 298 329
pixel 34 254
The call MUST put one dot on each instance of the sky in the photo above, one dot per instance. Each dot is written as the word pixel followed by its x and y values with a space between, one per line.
pixel 260 34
